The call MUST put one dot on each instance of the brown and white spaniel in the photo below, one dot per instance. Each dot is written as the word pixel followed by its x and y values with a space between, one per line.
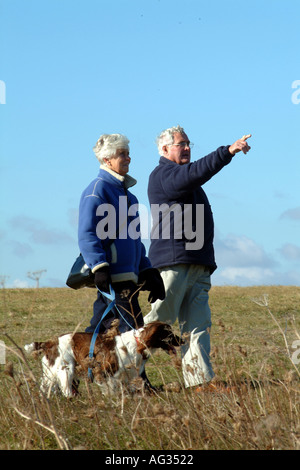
pixel 118 358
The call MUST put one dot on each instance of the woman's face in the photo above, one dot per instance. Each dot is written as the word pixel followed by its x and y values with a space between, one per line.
pixel 119 162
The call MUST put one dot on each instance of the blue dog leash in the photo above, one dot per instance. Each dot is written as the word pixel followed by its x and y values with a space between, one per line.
pixel 112 297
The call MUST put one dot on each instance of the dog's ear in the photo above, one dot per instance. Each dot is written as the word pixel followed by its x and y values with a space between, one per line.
pixel 177 340
pixel 165 338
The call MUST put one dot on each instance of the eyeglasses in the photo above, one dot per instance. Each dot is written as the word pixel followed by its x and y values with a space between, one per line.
pixel 183 144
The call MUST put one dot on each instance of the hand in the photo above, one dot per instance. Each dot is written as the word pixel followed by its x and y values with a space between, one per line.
pixel 240 145
pixel 152 281
pixel 103 279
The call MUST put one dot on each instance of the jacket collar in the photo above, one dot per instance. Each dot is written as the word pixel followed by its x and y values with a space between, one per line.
pixel 126 180
pixel 166 160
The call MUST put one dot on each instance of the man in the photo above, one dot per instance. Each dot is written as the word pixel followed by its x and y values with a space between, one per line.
pixel 185 258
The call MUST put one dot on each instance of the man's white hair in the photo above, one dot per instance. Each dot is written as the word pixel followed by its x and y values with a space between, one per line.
pixel 166 137
pixel 107 145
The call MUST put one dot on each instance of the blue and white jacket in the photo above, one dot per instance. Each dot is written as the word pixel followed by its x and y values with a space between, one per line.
pixel 107 208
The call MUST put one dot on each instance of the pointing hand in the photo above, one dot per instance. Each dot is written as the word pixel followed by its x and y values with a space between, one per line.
pixel 240 145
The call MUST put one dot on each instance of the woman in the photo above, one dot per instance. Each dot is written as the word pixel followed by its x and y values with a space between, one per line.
pixel 107 241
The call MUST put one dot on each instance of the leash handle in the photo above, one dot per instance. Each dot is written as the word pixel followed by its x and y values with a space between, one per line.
pixel 111 295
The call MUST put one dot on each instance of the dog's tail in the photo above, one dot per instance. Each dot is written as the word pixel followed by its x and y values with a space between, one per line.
pixel 35 346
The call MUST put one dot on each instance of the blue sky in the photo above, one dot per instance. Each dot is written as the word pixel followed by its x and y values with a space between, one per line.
pixel 72 70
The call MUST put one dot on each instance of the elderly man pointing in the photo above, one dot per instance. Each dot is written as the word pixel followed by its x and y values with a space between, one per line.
pixel 186 266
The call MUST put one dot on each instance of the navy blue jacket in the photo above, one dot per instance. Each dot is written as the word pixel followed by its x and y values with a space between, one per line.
pixel 170 183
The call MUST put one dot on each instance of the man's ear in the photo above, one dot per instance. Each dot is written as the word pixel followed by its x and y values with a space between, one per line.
pixel 165 149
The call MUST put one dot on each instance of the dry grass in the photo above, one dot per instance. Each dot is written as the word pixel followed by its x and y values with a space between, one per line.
pixel 252 339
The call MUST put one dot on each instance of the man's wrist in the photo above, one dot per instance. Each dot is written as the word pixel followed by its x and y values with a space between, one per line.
pixel 231 151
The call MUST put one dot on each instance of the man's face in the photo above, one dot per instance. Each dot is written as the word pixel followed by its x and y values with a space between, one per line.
pixel 179 152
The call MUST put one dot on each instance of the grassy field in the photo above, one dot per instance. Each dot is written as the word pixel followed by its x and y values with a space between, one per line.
pixel 254 349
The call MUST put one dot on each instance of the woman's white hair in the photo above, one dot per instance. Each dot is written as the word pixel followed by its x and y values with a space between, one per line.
pixel 107 145
pixel 166 137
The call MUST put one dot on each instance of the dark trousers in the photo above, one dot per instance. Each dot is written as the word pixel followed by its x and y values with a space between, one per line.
pixel 128 310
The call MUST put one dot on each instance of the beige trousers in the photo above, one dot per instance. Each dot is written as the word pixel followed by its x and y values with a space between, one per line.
pixel 187 288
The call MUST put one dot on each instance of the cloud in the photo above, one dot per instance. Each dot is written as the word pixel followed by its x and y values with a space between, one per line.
pixel 242 261
pixel 255 276
pixel 21 250
pixel 50 237
pixel 19 284
pixel 73 215
pixel 292 214
pixel 241 252
pixel 246 276
pixel 280 194
pixel 38 232
pixel 290 252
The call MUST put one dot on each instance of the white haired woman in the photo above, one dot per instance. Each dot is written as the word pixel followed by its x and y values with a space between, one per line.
pixel 115 255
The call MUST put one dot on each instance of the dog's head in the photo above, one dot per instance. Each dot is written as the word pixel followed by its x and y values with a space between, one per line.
pixel 159 335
